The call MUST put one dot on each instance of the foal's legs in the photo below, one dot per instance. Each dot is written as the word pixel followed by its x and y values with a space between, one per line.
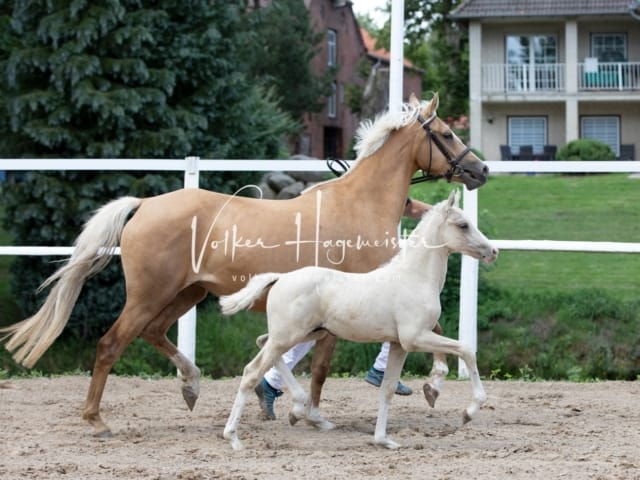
pixel 397 357
pixel 155 333
pixel 432 342
pixel 439 371
pixel 251 375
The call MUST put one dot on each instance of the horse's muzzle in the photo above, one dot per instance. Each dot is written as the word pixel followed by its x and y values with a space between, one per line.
pixel 473 173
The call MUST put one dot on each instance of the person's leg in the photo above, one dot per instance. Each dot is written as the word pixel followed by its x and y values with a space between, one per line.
pixel 271 386
pixel 376 372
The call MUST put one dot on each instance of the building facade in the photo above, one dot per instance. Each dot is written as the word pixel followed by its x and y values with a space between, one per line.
pixel 330 133
pixel 546 72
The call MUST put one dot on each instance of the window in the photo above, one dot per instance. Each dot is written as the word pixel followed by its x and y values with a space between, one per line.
pixel 532 62
pixel 609 47
pixel 332 48
pixel 602 128
pixel 332 104
pixel 527 131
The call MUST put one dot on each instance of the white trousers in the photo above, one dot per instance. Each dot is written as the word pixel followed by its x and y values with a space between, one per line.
pixel 297 352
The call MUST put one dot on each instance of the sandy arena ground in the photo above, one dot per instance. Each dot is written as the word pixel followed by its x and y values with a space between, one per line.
pixel 546 430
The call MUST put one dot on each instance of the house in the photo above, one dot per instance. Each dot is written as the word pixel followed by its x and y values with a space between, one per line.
pixel 330 133
pixel 545 72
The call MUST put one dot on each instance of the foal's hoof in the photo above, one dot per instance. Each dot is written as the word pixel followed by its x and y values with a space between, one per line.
pixel 103 434
pixel 431 395
pixel 293 419
pixel 466 418
pixel 189 396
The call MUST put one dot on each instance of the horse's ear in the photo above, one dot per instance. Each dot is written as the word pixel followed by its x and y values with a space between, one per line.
pixel 433 104
pixel 454 198
pixel 413 100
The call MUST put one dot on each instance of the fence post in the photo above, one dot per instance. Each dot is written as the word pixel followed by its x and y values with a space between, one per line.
pixel 468 321
pixel 187 323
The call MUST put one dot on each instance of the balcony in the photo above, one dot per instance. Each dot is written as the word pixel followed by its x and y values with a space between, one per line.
pixel 609 76
pixel 550 78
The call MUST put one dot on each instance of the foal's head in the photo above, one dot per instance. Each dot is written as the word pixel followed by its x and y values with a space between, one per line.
pixel 459 234
pixel 441 154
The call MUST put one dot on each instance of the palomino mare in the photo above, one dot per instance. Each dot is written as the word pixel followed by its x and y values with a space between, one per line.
pixel 398 302
pixel 179 246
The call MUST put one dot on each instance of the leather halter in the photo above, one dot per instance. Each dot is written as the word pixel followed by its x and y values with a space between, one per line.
pixel 454 169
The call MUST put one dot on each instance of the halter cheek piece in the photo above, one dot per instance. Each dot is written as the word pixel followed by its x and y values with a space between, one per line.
pixel 455 170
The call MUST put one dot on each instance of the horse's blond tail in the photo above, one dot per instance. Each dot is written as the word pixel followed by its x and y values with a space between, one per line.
pixel 245 298
pixel 30 338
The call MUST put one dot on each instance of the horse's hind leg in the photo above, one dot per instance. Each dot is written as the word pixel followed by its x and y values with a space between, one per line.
pixel 155 333
pixel 128 326
pixel 251 375
pixel 320 364
pixel 439 371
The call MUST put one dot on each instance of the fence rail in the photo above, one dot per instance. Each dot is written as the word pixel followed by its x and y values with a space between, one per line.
pixel 192 166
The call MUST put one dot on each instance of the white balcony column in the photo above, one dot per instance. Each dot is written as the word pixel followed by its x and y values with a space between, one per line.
pixel 571 56
pixel 572 130
pixel 475 84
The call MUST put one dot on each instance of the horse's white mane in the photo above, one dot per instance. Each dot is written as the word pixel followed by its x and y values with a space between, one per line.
pixel 372 134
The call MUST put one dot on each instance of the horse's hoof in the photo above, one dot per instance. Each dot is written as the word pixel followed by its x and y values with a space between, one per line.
pixel 293 419
pixel 430 394
pixel 466 418
pixel 320 423
pixel 189 396
pixel 386 443
pixel 103 434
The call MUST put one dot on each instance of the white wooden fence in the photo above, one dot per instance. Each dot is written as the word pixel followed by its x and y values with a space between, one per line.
pixel 192 166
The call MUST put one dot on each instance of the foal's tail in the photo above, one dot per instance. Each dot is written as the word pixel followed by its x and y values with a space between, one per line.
pixel 93 250
pixel 244 298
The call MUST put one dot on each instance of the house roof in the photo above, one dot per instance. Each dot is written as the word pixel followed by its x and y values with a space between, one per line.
pixel 471 9
pixel 381 53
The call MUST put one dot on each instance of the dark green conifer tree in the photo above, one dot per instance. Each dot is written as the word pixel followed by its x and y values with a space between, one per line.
pixel 119 79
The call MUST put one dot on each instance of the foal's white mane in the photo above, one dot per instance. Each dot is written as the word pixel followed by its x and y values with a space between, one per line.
pixel 437 213
pixel 372 134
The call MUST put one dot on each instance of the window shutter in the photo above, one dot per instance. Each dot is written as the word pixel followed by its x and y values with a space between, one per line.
pixel 604 129
pixel 528 131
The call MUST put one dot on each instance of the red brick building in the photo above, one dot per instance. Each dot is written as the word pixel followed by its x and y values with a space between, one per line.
pixel 329 134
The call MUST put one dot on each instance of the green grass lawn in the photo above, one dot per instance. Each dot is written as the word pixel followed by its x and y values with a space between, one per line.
pixel 560 207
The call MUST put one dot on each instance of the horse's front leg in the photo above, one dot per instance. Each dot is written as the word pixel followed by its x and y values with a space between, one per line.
pixel 432 342
pixel 320 365
pixel 433 386
pixel 397 357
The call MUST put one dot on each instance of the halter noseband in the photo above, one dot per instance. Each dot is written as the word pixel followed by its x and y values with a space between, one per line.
pixel 454 170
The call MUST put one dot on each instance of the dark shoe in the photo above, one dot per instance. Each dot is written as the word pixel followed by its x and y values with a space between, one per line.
pixel 267 396
pixel 375 376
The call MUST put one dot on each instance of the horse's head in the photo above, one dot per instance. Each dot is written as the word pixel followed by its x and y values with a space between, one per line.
pixel 442 154
pixel 460 235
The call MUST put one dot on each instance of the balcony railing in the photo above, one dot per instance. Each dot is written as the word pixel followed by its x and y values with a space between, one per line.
pixel 550 77
pixel 609 76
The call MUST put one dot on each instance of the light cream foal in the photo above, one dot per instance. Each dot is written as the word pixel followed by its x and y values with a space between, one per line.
pixel 398 303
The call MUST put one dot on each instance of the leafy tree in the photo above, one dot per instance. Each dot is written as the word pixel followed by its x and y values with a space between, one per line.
pixel 129 79
pixel 281 33
pixel 438 45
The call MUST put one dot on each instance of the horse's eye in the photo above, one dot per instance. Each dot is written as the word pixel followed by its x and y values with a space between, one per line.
pixel 448 135
pixel 463 226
